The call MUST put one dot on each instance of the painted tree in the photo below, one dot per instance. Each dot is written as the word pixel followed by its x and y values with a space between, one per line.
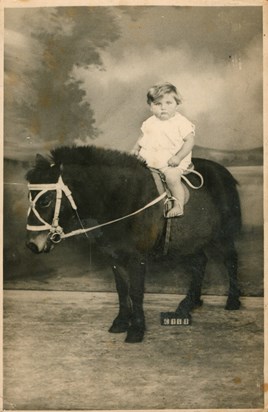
pixel 43 96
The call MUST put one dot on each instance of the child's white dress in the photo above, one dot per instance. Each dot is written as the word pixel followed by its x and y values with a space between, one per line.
pixel 162 139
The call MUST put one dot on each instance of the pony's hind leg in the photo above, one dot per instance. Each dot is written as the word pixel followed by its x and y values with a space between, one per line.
pixel 197 263
pixel 136 330
pixel 121 322
pixel 230 261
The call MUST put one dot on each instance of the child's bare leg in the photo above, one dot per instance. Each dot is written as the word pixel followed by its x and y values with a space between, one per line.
pixel 173 179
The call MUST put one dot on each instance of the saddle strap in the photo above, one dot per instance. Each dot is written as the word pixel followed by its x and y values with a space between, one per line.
pixel 167 236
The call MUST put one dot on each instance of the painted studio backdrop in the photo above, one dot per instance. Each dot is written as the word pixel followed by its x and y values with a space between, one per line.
pixel 79 75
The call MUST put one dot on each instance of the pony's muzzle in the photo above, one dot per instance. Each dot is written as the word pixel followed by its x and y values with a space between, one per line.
pixel 38 243
pixel 33 247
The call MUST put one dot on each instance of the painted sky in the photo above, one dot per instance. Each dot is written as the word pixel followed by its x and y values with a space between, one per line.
pixel 212 54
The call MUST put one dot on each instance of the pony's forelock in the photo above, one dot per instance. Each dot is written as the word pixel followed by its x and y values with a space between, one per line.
pixel 43 167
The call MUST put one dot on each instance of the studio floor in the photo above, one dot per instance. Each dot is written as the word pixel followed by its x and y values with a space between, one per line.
pixel 58 354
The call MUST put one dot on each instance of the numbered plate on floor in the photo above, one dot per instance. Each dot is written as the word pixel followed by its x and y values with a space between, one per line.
pixel 173 319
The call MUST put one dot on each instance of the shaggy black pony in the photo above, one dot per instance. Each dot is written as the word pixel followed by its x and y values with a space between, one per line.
pixel 106 185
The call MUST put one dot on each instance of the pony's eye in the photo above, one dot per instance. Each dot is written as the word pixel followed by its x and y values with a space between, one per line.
pixel 44 201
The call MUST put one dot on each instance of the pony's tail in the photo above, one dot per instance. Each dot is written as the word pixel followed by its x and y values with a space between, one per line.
pixel 223 189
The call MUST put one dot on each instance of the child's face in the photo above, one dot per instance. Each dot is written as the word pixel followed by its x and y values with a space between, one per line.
pixel 165 107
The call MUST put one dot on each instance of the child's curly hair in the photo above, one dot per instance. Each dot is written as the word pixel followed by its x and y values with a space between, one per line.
pixel 158 91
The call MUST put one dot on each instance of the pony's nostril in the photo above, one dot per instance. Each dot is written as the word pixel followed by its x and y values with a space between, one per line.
pixel 32 246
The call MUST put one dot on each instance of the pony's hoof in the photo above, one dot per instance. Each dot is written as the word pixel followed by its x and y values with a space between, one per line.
pixel 232 304
pixel 134 335
pixel 183 314
pixel 186 306
pixel 119 327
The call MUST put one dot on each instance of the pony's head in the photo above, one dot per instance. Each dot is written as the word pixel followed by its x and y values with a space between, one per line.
pixel 97 176
pixel 46 190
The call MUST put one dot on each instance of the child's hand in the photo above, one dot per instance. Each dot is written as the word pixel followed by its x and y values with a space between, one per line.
pixel 174 161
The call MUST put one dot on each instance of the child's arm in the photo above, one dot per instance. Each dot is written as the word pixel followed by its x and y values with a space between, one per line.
pixel 183 152
pixel 136 151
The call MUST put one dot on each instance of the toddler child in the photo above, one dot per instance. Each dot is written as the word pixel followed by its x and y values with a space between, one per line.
pixel 167 141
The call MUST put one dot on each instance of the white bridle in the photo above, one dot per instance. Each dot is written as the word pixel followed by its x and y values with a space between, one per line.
pixel 56 233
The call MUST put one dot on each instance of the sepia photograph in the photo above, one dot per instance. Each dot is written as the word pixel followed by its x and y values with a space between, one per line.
pixel 133 206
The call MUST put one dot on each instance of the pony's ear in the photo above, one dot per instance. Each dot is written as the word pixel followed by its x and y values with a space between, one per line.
pixel 41 161
pixel 39 158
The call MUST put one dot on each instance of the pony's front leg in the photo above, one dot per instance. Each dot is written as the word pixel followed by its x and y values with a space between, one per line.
pixel 136 330
pixel 122 321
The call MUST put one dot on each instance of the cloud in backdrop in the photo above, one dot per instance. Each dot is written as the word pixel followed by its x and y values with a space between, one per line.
pixel 212 54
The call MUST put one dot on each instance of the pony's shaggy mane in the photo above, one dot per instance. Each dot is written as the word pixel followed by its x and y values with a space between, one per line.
pixel 91 155
pixel 81 156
